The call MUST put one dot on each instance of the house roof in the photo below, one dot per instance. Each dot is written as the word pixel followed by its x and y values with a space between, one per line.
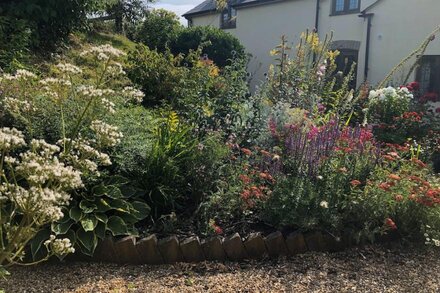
pixel 209 6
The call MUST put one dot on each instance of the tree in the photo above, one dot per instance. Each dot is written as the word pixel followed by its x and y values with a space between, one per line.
pixel 130 11
pixel 49 21
pixel 159 29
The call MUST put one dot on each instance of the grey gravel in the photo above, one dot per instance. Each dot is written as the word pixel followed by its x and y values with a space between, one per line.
pixel 370 269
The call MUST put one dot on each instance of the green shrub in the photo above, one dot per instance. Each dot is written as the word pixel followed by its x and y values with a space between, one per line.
pixel 157 74
pixel 219 46
pixel 159 29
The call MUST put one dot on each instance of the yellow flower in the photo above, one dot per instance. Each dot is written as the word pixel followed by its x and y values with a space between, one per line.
pixel 274 52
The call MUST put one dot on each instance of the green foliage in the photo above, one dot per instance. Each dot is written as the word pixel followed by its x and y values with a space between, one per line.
pixel 218 45
pixel 159 29
pixel 308 80
pixel 15 38
pixel 109 208
pixel 172 166
pixel 49 21
pixel 126 12
pixel 157 74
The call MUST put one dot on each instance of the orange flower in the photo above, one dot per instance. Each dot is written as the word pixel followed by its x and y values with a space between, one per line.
pixel 256 191
pixel 412 196
pixel 246 151
pixel 264 175
pixel 384 186
pixel 394 154
pixel 419 163
pixel 245 179
pixel 245 194
pixel 265 153
pixel 390 223
pixel 399 197
pixel 389 158
pixel 355 183
pixel 394 177
pixel 415 178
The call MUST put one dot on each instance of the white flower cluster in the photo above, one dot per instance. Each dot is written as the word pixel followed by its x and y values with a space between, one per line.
pixel 116 69
pixel 108 105
pixel 20 74
pixel 390 92
pixel 44 203
pixel 106 134
pixel 11 139
pixel 14 105
pixel 68 68
pixel 133 94
pixel 55 81
pixel 92 92
pixel 84 157
pixel 59 247
pixel 103 52
pixel 323 204
pixel 41 167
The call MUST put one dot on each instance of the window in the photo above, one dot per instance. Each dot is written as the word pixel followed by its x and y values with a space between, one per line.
pixel 345 6
pixel 228 18
pixel 428 75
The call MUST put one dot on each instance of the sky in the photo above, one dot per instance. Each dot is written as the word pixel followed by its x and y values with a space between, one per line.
pixel 177 6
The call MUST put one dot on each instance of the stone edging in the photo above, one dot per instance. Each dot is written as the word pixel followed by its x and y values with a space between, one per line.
pixel 170 250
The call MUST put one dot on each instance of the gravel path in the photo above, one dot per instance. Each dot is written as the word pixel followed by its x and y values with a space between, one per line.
pixel 371 269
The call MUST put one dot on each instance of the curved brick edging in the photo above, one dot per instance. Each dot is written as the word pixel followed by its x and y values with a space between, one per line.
pixel 170 250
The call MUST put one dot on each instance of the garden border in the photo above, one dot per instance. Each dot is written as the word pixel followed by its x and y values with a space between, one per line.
pixel 153 251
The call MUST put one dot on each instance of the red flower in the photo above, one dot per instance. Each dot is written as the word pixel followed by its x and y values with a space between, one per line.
pixel 355 183
pixel 414 85
pixel 218 230
pixel 390 223
pixel 433 193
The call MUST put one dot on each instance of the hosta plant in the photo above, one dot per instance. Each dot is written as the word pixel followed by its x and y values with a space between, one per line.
pixel 109 208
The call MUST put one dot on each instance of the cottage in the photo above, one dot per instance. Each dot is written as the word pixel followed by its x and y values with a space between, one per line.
pixel 376 34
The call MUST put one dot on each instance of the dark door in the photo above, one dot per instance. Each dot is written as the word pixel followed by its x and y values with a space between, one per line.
pixel 344 62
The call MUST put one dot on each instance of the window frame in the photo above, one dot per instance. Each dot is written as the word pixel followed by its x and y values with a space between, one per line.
pixel 232 20
pixel 347 9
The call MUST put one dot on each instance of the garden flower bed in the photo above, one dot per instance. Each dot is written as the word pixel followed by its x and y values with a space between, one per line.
pixel 201 169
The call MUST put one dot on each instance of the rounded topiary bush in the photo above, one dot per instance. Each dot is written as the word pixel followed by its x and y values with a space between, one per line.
pixel 219 46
